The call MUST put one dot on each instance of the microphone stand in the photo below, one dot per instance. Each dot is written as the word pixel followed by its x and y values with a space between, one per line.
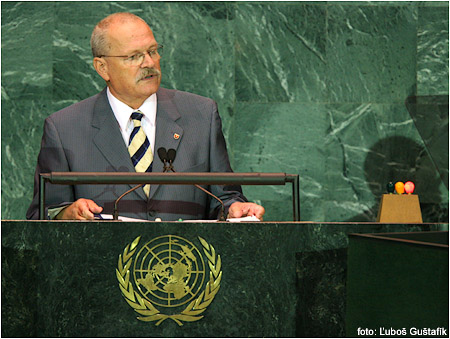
pixel 116 210
pixel 163 156
pixel 168 157
pixel 222 209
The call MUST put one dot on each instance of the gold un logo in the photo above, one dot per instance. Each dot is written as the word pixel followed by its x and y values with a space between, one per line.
pixel 168 275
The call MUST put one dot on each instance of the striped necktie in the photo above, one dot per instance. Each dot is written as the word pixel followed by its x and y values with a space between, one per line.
pixel 139 148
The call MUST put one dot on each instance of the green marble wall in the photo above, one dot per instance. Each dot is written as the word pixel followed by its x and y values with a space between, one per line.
pixel 314 88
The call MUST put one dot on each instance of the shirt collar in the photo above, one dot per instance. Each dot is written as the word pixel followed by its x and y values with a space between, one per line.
pixel 122 111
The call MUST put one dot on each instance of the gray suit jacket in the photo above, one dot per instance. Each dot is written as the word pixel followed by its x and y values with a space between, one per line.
pixel 85 137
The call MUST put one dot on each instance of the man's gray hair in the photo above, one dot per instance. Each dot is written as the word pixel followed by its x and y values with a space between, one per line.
pixel 99 39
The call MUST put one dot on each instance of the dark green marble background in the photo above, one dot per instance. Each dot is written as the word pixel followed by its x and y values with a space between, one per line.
pixel 310 88
pixel 279 279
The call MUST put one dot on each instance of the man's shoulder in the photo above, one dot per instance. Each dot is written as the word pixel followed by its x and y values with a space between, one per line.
pixel 77 110
pixel 181 96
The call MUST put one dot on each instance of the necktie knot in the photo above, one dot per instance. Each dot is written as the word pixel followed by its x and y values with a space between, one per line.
pixel 136 117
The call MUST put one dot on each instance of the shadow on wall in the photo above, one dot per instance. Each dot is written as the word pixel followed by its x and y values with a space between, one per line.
pixel 430 116
pixel 399 158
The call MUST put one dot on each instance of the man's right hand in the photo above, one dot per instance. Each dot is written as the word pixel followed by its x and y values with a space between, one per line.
pixel 82 209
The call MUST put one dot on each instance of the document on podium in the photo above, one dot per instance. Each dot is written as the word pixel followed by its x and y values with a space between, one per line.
pixel 243 219
pixel 102 216
pixel 110 217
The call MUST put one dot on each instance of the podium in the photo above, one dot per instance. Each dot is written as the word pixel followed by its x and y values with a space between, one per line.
pixel 397 282
pixel 404 208
pixel 59 279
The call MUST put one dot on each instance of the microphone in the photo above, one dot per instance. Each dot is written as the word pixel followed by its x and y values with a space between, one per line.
pixel 162 153
pixel 167 157
pixel 116 210
pixel 171 153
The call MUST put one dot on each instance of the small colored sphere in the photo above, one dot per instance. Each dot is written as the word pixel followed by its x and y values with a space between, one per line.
pixel 400 187
pixel 409 187
pixel 390 187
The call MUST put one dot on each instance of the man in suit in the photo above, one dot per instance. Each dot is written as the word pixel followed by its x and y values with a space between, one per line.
pixel 97 134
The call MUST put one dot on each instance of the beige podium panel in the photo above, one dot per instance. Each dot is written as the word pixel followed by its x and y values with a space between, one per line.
pixel 404 208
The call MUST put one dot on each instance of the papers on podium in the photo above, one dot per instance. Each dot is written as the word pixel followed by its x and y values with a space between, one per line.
pixel 110 217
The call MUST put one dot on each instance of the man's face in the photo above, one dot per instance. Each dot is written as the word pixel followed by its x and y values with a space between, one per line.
pixel 131 84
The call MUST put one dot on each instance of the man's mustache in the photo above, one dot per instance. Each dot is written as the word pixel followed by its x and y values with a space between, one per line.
pixel 149 71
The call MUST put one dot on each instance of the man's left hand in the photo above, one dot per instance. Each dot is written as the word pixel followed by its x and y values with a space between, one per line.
pixel 244 209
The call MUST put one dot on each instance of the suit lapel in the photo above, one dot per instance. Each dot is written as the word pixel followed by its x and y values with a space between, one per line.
pixel 168 132
pixel 109 139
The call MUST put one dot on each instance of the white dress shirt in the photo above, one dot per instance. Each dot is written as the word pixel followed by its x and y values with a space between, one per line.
pixel 123 113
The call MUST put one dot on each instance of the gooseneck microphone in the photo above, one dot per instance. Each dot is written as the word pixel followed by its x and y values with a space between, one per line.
pixel 171 153
pixel 116 210
pixel 167 157
pixel 170 157
pixel 162 153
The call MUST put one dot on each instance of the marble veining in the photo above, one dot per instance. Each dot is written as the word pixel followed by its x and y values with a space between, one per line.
pixel 279 279
pixel 319 89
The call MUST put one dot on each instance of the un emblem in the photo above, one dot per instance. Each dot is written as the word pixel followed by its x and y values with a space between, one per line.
pixel 168 273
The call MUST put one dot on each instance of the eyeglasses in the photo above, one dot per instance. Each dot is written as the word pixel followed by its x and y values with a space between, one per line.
pixel 138 58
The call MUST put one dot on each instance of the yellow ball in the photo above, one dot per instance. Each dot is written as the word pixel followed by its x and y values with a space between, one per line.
pixel 400 187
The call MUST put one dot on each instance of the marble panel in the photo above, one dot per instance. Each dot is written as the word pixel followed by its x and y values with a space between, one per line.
pixel 430 116
pixel 26 49
pixel 345 155
pixel 302 87
pixel 285 138
pixel 74 77
pixel 280 52
pixel 432 3
pixel 59 278
pixel 20 148
pixel 22 293
pixel 432 51
pixel 26 97
pixel 315 320
pixel 395 3
pixel 371 53
pixel 369 145
pixel 388 282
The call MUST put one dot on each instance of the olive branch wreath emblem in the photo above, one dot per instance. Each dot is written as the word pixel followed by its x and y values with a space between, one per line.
pixel 147 310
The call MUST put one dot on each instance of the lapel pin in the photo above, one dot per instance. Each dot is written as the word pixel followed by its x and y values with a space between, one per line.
pixel 176 136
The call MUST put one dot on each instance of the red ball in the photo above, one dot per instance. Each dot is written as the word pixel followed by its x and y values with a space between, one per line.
pixel 409 187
